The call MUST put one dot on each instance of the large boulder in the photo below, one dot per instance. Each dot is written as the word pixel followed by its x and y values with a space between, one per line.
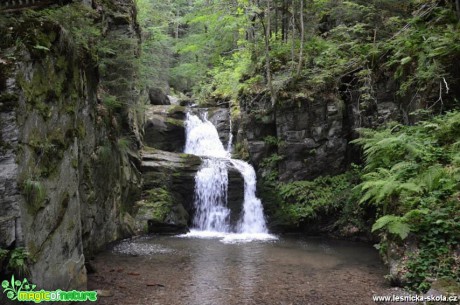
pixel 164 128
pixel 169 186
pixel 158 97
pixel 158 212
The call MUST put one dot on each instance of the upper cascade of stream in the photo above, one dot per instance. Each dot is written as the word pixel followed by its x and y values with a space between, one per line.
pixel 212 216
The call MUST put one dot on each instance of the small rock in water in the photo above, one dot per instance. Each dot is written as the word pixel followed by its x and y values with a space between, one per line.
pixel 104 293
pixel 155 285
pixel 134 273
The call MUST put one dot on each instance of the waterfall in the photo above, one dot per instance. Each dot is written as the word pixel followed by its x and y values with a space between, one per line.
pixel 212 216
pixel 253 220
pixel 230 136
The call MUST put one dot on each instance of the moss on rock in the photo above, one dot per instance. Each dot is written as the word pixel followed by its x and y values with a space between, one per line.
pixel 158 208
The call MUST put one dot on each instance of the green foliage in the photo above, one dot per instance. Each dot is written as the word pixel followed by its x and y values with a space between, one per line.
pixel 269 165
pixel 308 200
pixel 3 253
pixel 271 161
pixel 412 178
pixel 395 225
pixel 119 68
pixel 271 140
pixel 17 262
pixel 35 194
pixel 422 52
pixel 124 144
pixel 71 26
pixel 158 203
pixel 49 150
pixel 3 256
pixel 439 237
pixel 111 102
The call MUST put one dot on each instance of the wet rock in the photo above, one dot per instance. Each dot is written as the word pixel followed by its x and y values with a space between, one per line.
pixel 175 170
pixel 164 128
pixel 396 257
pixel 257 123
pixel 313 136
pixel 158 97
pixel 313 130
pixel 169 184
pixel 62 179
pixel 220 118
pixel 173 99
pixel 159 213
pixel 8 230
pixel 444 287
pixel 235 196
pixel 104 293
pixel 166 228
pixel 186 101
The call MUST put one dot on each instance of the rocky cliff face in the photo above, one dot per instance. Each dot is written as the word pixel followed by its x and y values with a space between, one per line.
pixel 68 182
pixel 310 132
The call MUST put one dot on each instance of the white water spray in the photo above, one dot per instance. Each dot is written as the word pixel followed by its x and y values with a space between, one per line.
pixel 230 137
pixel 212 218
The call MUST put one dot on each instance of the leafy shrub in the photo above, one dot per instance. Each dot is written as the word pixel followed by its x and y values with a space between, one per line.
pixel 308 200
pixel 17 262
pixel 412 178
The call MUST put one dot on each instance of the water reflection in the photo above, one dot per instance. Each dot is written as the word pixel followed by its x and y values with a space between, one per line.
pixel 196 271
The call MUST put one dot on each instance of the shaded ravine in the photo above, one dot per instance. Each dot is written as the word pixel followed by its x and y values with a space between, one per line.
pixel 225 263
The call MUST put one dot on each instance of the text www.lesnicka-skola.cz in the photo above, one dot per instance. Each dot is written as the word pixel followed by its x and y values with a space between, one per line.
pixel 416 298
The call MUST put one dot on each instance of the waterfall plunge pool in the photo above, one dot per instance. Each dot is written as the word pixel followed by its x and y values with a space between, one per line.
pixel 222 263
pixel 178 270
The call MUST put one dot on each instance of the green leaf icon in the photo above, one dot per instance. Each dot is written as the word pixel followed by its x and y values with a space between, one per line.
pixel 5 284
pixel 10 295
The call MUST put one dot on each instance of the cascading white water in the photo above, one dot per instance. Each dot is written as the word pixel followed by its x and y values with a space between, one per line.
pixel 202 138
pixel 212 217
pixel 230 137
pixel 253 220
pixel 211 181
pixel 211 197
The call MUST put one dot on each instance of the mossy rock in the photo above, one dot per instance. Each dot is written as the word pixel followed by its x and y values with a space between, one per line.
pixel 158 207
pixel 177 111
pixel 175 122
pixel 447 286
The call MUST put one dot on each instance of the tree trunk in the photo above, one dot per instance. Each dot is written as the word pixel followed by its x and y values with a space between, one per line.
pixel 302 37
pixel 276 19
pixel 177 25
pixel 457 6
pixel 293 43
pixel 283 21
pixel 267 54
